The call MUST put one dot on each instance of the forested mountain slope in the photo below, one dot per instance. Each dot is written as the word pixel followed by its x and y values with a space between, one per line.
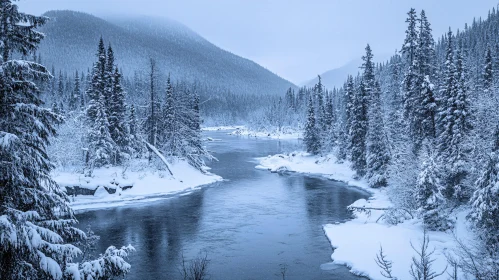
pixel 70 46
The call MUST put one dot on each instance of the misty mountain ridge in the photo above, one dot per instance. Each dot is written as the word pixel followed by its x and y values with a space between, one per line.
pixel 72 37
pixel 335 78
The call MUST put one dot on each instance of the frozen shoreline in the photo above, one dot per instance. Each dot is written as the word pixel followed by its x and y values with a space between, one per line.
pixel 287 133
pixel 148 184
pixel 365 233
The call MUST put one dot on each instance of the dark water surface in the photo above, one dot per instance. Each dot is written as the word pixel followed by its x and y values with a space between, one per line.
pixel 249 225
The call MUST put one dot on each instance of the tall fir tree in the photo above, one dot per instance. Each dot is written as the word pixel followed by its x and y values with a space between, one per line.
pixel 377 153
pixel 359 123
pixel 117 119
pixel 310 136
pixel 98 83
pixel 102 149
pixel 74 100
pixel 484 202
pixel 36 221
pixel 429 198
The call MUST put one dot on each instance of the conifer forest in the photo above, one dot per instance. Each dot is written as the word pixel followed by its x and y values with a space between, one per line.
pixel 131 147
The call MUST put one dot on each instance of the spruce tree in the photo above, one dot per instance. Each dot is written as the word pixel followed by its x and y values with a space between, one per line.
pixel 377 154
pixel 36 222
pixel 427 111
pixel 76 94
pixel 102 148
pixel 311 137
pixel 98 83
pixel 429 198
pixel 484 202
pixel 359 122
pixel 117 119
pixel 136 141
pixel 349 104
pixel 488 72
pixel 170 127
pixel 108 78
pixel 409 48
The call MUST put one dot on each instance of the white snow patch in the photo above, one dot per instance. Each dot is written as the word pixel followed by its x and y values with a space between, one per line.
pixel 147 183
pixel 286 133
pixel 217 128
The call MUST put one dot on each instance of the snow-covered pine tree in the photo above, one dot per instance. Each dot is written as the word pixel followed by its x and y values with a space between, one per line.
pixel 409 48
pixel 310 136
pixel 97 85
pixel 457 126
pixel 102 149
pixel 151 122
pixel 195 152
pixel 170 139
pixel 447 101
pixel 484 202
pixel 109 79
pixel 429 199
pixel 427 111
pixel 488 72
pixel 60 87
pixel 377 153
pixel 136 140
pixel 359 122
pixel 425 108
pixel 117 119
pixel 412 80
pixel 36 222
pixel 74 100
pixel 329 137
pixel 349 106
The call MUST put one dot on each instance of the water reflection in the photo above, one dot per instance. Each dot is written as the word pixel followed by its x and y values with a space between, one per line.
pixel 249 224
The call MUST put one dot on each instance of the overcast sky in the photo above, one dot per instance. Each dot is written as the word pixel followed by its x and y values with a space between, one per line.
pixel 296 39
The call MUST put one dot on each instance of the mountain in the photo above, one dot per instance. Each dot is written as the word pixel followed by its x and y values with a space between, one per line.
pixel 72 37
pixel 337 77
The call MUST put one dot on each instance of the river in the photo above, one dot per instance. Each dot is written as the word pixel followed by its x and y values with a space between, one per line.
pixel 249 225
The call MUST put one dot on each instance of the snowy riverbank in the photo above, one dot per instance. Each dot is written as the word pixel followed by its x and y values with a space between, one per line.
pixel 286 133
pixel 357 242
pixel 146 182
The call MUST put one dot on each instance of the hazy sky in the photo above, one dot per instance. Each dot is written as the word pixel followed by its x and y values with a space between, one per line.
pixel 296 39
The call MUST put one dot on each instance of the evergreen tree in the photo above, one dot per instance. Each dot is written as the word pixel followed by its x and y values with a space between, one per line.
pixel 409 48
pixel 170 127
pixel 73 101
pixel 488 72
pixel 447 96
pixel 311 137
pixel 377 154
pixel 151 123
pixel 117 120
pixel 60 86
pixel 359 122
pixel 101 145
pixel 429 199
pixel 427 110
pixel 349 104
pixel 109 80
pixel 136 141
pixel 484 202
pixel 97 84
pixel 36 221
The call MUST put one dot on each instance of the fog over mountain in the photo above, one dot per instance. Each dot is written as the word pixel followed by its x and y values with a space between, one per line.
pixel 72 38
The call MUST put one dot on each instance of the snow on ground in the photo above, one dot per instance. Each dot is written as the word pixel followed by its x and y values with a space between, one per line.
pixel 357 242
pixel 148 183
pixel 285 133
pixel 216 128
